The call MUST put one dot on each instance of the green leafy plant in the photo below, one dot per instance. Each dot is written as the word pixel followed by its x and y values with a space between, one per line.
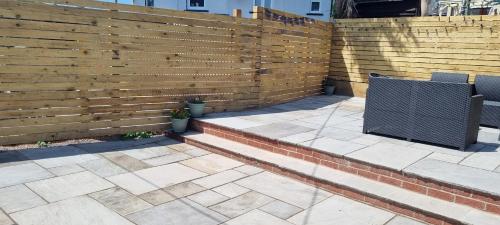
pixel 196 100
pixel 180 113
pixel 137 135
pixel 42 144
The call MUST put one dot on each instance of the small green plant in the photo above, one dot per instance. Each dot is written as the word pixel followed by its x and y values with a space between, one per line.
pixel 180 113
pixel 137 135
pixel 196 100
pixel 42 144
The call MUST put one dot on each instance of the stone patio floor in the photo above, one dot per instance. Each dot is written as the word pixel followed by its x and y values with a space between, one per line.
pixel 159 181
pixel 334 124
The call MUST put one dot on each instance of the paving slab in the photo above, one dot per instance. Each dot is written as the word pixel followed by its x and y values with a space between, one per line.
pixel 180 147
pixel 445 157
pixel 132 183
pixel 66 169
pixel 367 139
pixel 147 151
pixel 400 220
pixel 12 158
pixel 120 201
pixel 330 145
pixel 183 189
pixel 464 176
pixel 126 161
pixel 389 155
pixel 301 137
pixel 178 212
pixel 196 152
pixel 22 173
pixel 4 219
pixel 103 167
pixel 231 190
pixel 219 178
pixel 233 122
pixel 284 189
pixel 242 204
pixel 74 211
pixel 281 209
pixel 67 186
pixel 17 198
pixel 278 130
pixel 157 197
pixel 207 198
pixel 167 159
pixel 212 163
pixel 257 217
pixel 487 158
pixel 167 175
pixel 339 133
pixel 58 156
pixel 343 211
pixel 248 169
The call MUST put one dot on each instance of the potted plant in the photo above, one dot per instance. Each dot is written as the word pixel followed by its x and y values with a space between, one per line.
pixel 329 86
pixel 180 118
pixel 196 107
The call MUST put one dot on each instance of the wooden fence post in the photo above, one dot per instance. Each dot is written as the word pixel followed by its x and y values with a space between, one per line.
pixel 258 14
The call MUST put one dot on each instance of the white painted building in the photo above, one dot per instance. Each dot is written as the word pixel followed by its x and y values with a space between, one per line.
pixel 316 9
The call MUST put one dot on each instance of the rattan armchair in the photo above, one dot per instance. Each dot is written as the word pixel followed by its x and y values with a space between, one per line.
pixel 489 87
pixel 450 77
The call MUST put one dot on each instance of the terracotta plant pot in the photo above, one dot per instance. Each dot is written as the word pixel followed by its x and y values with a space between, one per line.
pixel 179 125
pixel 196 109
pixel 329 90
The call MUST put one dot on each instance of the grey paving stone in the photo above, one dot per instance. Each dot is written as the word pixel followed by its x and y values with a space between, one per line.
pixel 67 186
pixel 147 151
pixel 219 178
pixel 103 167
pixel 167 175
pixel 241 204
pixel 445 157
pixel 178 212
pixel 125 161
pixel 22 173
pixel 460 175
pixel 339 133
pixel 389 155
pixel 183 189
pixel 167 159
pixel 4 219
pixel 212 163
pixel 355 125
pixel 257 217
pixel 333 146
pixel 157 197
pixel 302 137
pixel 180 147
pixel 132 183
pixel 278 130
pixel 207 198
pixel 74 211
pixel 67 169
pixel 400 220
pixel 17 198
pixel 58 156
pixel 284 189
pixel 438 149
pixel 280 209
pixel 196 152
pixel 233 122
pixel 342 211
pixel 231 190
pixel 487 158
pixel 249 170
pixel 12 158
pixel 120 201
pixel 367 139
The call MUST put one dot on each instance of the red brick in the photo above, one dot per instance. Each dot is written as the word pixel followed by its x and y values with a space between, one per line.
pixel 493 208
pixel 441 194
pixel 487 198
pixel 359 166
pixel 380 171
pixel 311 159
pixel 348 169
pixel 296 155
pixel 354 195
pixel 390 180
pixel 415 187
pixel 470 202
pixel 368 174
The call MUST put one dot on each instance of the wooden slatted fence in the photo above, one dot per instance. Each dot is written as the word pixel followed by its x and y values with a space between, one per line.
pixel 412 48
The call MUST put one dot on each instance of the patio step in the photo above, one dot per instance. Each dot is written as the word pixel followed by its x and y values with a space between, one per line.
pixel 390 197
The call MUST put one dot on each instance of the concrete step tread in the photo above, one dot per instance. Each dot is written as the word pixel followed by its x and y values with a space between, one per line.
pixel 462 213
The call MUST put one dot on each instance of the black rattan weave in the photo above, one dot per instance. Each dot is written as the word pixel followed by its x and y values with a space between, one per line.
pixel 437 112
pixel 489 87
pixel 450 77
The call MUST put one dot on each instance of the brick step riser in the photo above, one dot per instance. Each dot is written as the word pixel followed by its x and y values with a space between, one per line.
pixel 436 189
pixel 376 201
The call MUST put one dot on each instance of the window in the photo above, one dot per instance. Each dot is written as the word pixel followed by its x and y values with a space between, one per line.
pixel 315 6
pixel 149 3
pixel 196 3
